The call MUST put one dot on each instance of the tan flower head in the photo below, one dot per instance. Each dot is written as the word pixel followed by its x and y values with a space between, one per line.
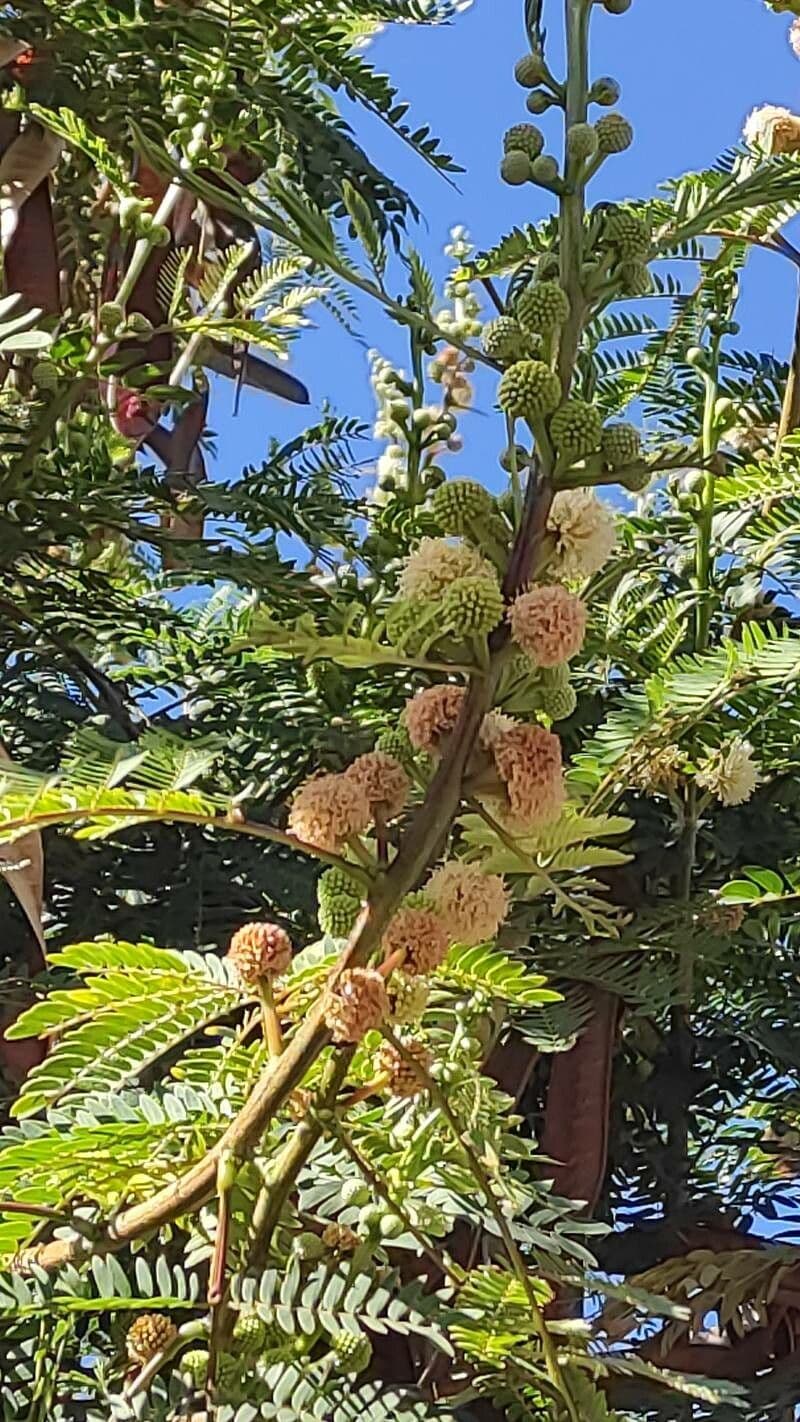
pixel 494 724
pixel 383 781
pixel 149 1334
pixel 659 771
pixel 422 935
pixel 732 774
pixel 356 1004
pixel 584 533
pixel 432 714
pixel 403 1080
pixel 328 809
pixel 722 919
pixel 438 562
pixel 528 760
pixel 472 904
pixel 340 1237
pixel 548 623
pixel 260 950
pixel 773 129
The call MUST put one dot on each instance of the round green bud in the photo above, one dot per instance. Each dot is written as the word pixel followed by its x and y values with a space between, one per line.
pixel 605 91
pixel 229 1370
pixel 337 916
pixel 249 1334
pixel 472 607
pixel 635 279
pixel 524 138
pixel 408 997
pixel 620 445
pixel 695 482
pixel 461 503
pixel 110 316
pixel 575 429
pixel 555 676
pixel 309 1245
pixel 548 267
pixel 614 133
pixel 369 1220
pixel 628 233
pixel 542 306
pixel 544 170
pixel 353 1352
pixel 516 168
pixel 635 480
pixel 539 101
pixel 504 339
pixel 617 7
pixel 354 1192
pixel 396 742
pixel 193 1366
pixel 391 1227
pixel 521 455
pixel 130 208
pixel 696 356
pixel 45 375
pixel 581 141
pixel 139 324
pixel 529 389
pixel 433 477
pixel 404 627
pixel 337 882
pixel 529 71
pixel 558 702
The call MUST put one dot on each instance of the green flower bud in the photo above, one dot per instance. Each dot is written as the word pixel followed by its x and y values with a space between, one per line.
pixel 353 1352
pixel 529 389
pixel 521 455
pixel 697 356
pixel 249 1334
pixel 539 101
pixel 542 306
pixel 404 625
pixel 575 429
pixel 45 375
pixel 460 503
pixel 620 445
pixel 369 1220
pixel 229 1370
pixel 354 1192
pixel 544 170
pixel 628 233
pixel 433 477
pixel 396 742
pixel 391 1227
pixel 139 324
pixel 472 607
pixel 337 916
pixel 408 997
pixel 193 1366
pixel 308 1245
pixel 335 884
pixel 504 339
pixel 614 133
pixel 635 279
pixel 530 70
pixel 558 702
pixel 605 91
pixel 635 480
pixel 524 138
pixel 130 209
pixel 617 7
pixel 581 141
pixel 548 267
pixel 516 168
pixel 110 316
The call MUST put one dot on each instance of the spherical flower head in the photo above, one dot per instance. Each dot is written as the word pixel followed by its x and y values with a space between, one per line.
pixel 327 810
pixel 337 916
pixel 529 71
pixel 461 503
pixel 628 232
pixel 548 623
pixel 504 339
pixel 635 278
pixel 575 429
pixel 260 950
pixel 335 883
pixel 523 138
pixel 558 702
pixel 528 761
pixel 356 1004
pixel 472 904
pixel 620 445
pixel 529 389
pixel 408 997
pixel 194 1366
pixel 541 307
pixel 773 129
pixel 353 1351
pixel 383 781
pixel 722 919
pixel 435 564
pixel 403 1080
pixel 149 1334
pixel 614 133
pixel 395 742
pixel 584 533
pixel 432 714
pixel 732 775
pixel 516 168
pixel 581 141
pixel 421 934
pixel 472 607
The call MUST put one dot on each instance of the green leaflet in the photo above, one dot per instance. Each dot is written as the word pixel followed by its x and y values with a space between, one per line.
pixel 492 971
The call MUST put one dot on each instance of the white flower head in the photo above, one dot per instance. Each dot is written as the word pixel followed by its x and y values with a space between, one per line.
pixel 584 531
pixel 437 563
pixel 773 129
pixel 732 774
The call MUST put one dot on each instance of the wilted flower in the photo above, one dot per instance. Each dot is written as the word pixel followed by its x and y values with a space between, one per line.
pixel 658 771
pixel 432 714
pixel 732 774
pixel 472 904
pixel 773 129
pixel 584 533
pixel 328 809
pixel 528 761
pixel 548 623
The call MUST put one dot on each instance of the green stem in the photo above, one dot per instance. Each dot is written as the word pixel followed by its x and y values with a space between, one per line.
pixel 703 569
pixel 272 1027
pixel 572 201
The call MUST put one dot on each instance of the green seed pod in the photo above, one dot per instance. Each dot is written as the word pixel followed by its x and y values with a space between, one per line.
pixel 504 339
pixel 544 170
pixel 516 168
pixel 635 279
pixel 581 141
pixel 542 306
pixel 529 389
pixel 353 1352
pixel 110 316
pixel 575 429
pixel 472 607
pixel 620 445
pixel 460 503
pixel 529 71
pixel 614 133
pixel 558 702
pixel 628 233
pixel 605 91
pixel 539 101
pixel 524 138
pixel 249 1334
pixel 193 1366
pixel 335 884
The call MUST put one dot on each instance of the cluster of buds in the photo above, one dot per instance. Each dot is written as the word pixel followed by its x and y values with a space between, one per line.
pixel 446 589
pixel 460 320
pixel 402 420
pixel 339 899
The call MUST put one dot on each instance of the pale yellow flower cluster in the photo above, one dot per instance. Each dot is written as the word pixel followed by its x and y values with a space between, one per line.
pixel 584 533
pixel 732 774
pixel 436 564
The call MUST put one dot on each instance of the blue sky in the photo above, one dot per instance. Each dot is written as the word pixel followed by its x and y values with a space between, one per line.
pixel 690 72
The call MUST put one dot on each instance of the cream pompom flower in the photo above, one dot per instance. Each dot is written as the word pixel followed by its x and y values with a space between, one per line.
pixel 584 533
pixel 432 714
pixel 773 129
pixel 528 761
pixel 328 809
pixel 549 624
pixel 437 563
pixel 732 774
pixel 471 903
